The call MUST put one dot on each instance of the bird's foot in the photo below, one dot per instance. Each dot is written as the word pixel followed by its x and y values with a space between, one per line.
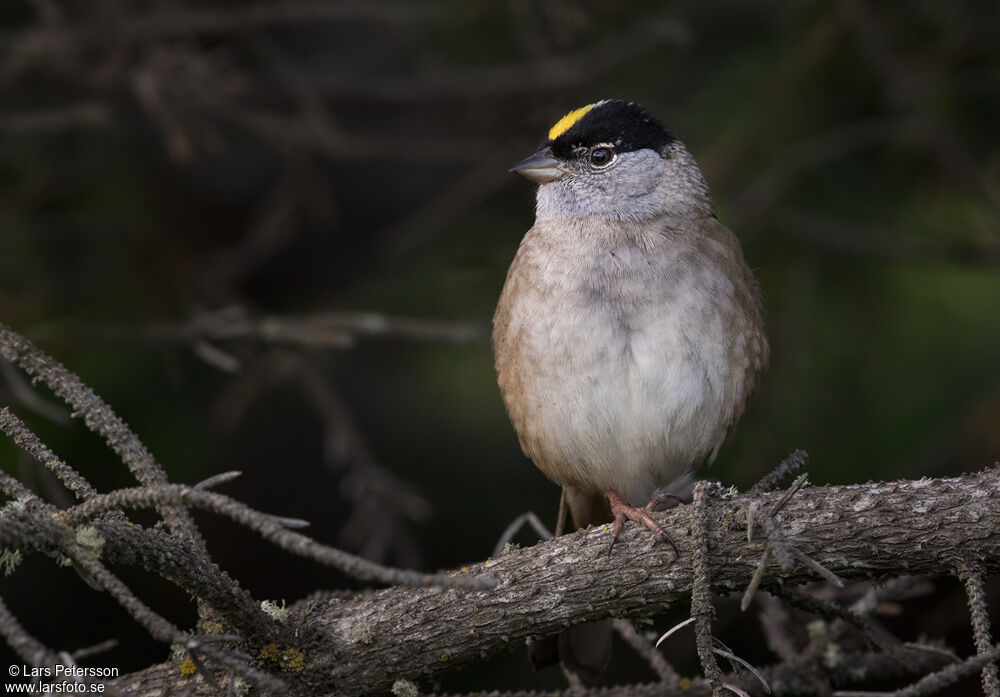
pixel 622 510
pixel 661 497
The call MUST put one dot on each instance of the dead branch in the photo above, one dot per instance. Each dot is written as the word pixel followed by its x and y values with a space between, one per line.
pixel 973 579
pixel 99 417
pixel 867 531
pixel 269 527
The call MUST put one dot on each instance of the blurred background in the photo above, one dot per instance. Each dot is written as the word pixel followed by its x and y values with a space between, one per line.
pixel 272 235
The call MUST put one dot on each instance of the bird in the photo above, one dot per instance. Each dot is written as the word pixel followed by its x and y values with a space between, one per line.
pixel 629 334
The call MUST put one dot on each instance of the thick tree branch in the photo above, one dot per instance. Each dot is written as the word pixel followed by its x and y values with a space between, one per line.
pixel 867 531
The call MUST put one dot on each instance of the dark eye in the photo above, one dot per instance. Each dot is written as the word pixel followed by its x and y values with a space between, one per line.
pixel 601 156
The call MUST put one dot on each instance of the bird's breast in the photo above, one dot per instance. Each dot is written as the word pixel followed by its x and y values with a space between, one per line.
pixel 618 362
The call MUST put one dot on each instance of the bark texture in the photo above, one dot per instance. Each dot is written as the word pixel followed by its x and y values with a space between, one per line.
pixel 362 644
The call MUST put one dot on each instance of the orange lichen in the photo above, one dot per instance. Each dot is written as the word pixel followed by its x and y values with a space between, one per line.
pixel 209 627
pixel 292 660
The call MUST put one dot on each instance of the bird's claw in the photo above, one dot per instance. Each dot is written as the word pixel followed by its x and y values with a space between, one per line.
pixel 622 511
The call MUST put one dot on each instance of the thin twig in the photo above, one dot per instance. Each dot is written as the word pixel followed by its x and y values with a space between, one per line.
pixel 774 621
pixel 799 482
pixel 160 628
pixel 640 644
pixel 88 114
pixel 515 526
pixel 779 545
pixel 100 418
pixel 829 609
pixel 773 479
pixel 269 529
pixel 733 658
pixel 972 577
pixel 701 597
pixel 30 443
pixel 319 330
pixel 23 644
pixel 23 392
pixel 158 552
pixel 756 579
pixel 935 682
pixel 824 572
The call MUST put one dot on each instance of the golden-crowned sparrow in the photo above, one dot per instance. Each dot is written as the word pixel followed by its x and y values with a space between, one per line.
pixel 628 337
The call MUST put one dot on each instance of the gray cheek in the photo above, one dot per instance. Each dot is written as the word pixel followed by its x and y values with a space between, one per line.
pixel 627 191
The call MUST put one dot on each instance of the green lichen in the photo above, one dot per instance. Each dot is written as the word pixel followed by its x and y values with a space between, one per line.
pixel 405 688
pixel 816 629
pixel 9 559
pixel 15 504
pixel 91 540
pixel 278 613
pixel 361 631
pixel 832 656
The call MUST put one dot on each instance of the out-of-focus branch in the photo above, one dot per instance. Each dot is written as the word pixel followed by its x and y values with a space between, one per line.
pixel 335 330
pixel 88 114
pixel 551 72
pixel 830 236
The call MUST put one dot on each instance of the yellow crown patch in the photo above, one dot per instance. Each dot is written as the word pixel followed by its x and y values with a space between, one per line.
pixel 567 121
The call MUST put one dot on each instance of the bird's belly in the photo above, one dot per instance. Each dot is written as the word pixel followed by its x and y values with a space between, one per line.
pixel 613 407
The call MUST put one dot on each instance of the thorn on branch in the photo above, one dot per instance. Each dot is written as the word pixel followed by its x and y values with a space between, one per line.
pixel 218 479
pixel 95 650
pixel 778 544
pixel 675 628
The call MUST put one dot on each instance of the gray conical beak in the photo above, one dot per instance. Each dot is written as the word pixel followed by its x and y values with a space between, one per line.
pixel 541 167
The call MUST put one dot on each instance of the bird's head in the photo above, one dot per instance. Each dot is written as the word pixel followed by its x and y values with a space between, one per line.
pixel 613 159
